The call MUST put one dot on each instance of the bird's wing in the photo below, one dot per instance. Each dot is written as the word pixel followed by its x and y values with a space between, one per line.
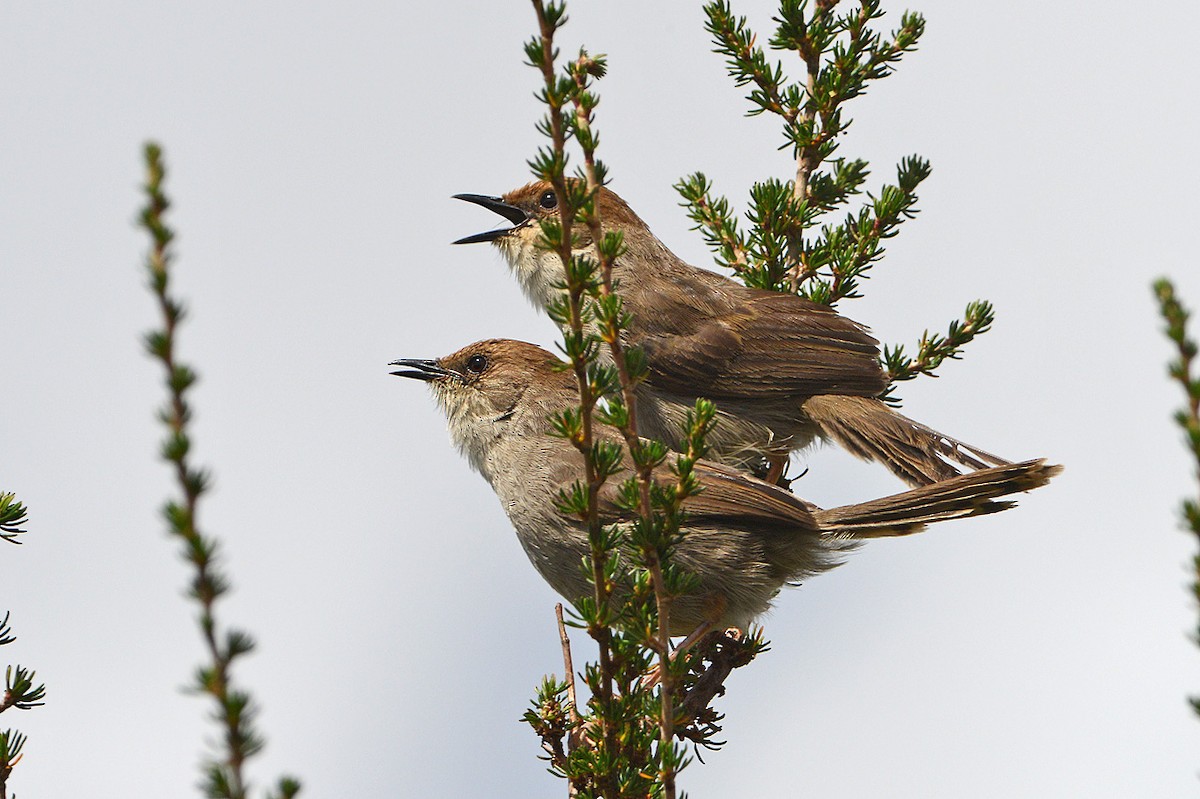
pixel 727 495
pixel 763 344
pixel 727 498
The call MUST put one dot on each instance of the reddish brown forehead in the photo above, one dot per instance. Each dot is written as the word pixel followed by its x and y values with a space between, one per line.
pixel 613 209
pixel 527 194
pixel 515 354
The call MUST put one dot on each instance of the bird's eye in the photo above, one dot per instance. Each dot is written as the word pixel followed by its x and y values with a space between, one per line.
pixel 476 364
pixel 548 200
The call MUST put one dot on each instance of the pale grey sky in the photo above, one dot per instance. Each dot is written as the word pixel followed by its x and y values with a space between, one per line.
pixel 313 150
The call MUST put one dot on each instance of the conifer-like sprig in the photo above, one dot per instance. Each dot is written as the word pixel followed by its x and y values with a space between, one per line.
pixel 233 709
pixel 933 348
pixel 624 743
pixel 6 633
pixel 20 691
pixel 11 744
pixel 1181 371
pixel 576 426
pixel 793 242
pixel 13 514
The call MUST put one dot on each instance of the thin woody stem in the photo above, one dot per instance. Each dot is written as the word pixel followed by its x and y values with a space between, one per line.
pixel 600 633
pixel 568 664
pixel 574 733
pixel 200 554
pixel 611 336
pixel 808 156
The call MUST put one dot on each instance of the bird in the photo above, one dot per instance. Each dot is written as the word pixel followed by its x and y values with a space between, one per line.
pixel 781 369
pixel 742 538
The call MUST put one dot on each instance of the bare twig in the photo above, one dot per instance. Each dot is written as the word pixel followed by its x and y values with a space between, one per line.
pixel 568 667
pixel 574 730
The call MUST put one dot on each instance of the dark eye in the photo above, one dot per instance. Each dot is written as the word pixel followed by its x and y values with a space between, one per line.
pixel 548 200
pixel 476 364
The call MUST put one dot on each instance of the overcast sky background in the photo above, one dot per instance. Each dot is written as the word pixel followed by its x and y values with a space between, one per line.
pixel 312 154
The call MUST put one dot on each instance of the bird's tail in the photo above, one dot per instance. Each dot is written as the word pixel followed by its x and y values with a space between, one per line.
pixel 964 495
pixel 868 428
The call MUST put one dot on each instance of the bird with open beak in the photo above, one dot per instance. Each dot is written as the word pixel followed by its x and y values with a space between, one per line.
pixel 743 538
pixel 781 369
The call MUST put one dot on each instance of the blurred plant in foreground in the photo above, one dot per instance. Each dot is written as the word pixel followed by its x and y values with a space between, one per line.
pixel 233 708
pixel 1187 417
pixel 19 689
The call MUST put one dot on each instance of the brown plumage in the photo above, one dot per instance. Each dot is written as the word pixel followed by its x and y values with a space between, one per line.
pixel 782 370
pixel 743 538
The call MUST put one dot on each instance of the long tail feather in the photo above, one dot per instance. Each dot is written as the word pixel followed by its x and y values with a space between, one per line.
pixel 957 497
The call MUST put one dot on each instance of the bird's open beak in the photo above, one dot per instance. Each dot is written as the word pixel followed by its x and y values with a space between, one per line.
pixel 510 212
pixel 422 369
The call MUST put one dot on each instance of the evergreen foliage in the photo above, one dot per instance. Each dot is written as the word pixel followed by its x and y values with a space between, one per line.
pixel 622 743
pixel 20 690
pixel 233 709
pixel 795 241
pixel 12 515
pixel 1188 417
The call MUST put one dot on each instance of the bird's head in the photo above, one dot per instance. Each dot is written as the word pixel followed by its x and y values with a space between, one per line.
pixel 538 269
pixel 493 390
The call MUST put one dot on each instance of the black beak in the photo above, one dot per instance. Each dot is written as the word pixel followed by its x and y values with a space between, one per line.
pixel 423 369
pixel 510 212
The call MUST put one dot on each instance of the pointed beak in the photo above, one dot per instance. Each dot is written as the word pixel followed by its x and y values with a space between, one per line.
pixel 422 369
pixel 510 212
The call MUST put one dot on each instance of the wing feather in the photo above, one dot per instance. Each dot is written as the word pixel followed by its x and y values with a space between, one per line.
pixel 753 343
pixel 728 498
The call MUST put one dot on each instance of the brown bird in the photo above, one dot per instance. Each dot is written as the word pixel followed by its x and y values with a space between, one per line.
pixel 743 538
pixel 781 369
